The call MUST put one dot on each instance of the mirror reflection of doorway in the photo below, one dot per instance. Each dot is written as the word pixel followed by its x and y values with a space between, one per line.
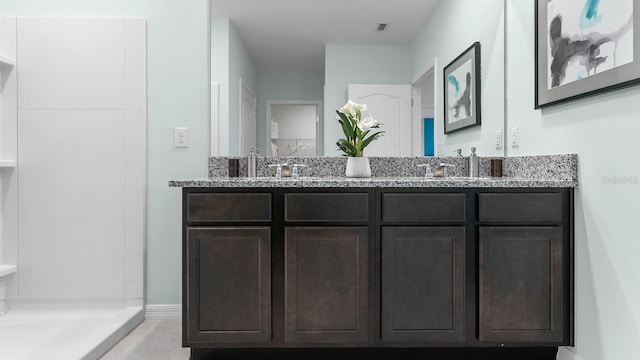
pixel 294 128
pixel 427 114
pixel 423 113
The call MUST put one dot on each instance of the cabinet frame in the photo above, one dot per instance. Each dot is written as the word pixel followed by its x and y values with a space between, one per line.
pixel 375 223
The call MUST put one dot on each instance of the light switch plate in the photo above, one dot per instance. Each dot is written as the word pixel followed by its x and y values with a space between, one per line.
pixel 499 139
pixel 515 137
pixel 181 137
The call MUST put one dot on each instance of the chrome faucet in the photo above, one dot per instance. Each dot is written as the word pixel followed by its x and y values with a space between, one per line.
pixel 278 169
pixel 441 170
pixel 286 170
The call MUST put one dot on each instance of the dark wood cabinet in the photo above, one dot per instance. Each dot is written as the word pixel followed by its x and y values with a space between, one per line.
pixel 525 271
pixel 326 288
pixel 422 269
pixel 521 284
pixel 423 284
pixel 229 284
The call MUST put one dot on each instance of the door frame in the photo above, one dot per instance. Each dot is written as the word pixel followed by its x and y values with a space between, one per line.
pixel 417 131
pixel 241 145
pixel 319 122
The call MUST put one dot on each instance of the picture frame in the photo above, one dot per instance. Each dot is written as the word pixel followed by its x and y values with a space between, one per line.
pixel 462 90
pixel 603 55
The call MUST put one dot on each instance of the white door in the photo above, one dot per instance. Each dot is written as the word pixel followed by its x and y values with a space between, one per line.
pixel 390 105
pixel 247 119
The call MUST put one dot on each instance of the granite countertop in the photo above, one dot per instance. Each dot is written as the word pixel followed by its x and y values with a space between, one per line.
pixel 540 171
pixel 382 182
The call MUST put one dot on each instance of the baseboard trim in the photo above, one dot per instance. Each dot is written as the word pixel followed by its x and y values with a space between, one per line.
pixel 566 354
pixel 161 312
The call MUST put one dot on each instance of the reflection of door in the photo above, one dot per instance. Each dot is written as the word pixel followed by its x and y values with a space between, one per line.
pixel 247 119
pixel 390 105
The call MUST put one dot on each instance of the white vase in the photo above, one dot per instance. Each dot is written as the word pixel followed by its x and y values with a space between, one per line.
pixel 358 167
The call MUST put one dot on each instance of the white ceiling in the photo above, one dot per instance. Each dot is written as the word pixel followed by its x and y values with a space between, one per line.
pixel 291 34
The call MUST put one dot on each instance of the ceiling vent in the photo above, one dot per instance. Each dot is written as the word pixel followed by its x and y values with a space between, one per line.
pixel 382 26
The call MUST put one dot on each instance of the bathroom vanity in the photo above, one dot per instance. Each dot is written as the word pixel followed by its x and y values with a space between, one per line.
pixel 453 268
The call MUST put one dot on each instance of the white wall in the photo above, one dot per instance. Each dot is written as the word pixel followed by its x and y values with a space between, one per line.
pixel 8 145
pixel 220 75
pixel 230 62
pixel 445 36
pixel 358 64
pixel 178 95
pixel 603 131
pixel 241 66
pixel 295 121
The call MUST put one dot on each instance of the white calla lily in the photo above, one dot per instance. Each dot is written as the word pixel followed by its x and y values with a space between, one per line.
pixel 368 123
pixel 356 128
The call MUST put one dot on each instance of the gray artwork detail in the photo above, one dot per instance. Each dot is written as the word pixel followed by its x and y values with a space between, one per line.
pixel 585 48
pixel 464 101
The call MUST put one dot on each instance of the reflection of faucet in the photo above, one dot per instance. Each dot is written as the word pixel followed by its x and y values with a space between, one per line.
pixel 428 173
pixel 441 170
pixel 294 171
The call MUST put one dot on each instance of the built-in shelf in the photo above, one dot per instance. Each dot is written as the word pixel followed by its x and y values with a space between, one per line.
pixel 7 270
pixel 7 163
pixel 7 61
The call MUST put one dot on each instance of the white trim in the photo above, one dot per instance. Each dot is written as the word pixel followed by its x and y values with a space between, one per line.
pixel 319 122
pixel 163 312
pixel 241 145
pixel 215 119
pixel 565 354
pixel 417 131
pixel 428 69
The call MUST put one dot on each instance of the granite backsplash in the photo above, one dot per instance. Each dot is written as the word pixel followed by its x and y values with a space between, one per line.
pixel 554 167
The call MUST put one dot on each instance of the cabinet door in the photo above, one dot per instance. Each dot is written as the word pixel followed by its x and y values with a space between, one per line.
pixel 229 285
pixel 326 292
pixel 521 284
pixel 423 284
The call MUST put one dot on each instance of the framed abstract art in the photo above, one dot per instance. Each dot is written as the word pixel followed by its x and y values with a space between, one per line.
pixel 585 47
pixel 462 90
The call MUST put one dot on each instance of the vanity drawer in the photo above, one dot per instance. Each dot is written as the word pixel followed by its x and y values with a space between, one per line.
pixel 403 207
pixel 228 207
pixel 330 207
pixel 520 207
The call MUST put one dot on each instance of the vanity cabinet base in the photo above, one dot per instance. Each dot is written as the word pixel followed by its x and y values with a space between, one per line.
pixel 504 353
pixel 430 274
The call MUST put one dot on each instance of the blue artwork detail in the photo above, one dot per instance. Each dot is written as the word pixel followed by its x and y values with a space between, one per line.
pixel 582 74
pixel 429 139
pixel 455 83
pixel 589 17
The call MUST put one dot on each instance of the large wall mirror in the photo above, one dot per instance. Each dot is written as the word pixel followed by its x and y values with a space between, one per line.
pixel 280 63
